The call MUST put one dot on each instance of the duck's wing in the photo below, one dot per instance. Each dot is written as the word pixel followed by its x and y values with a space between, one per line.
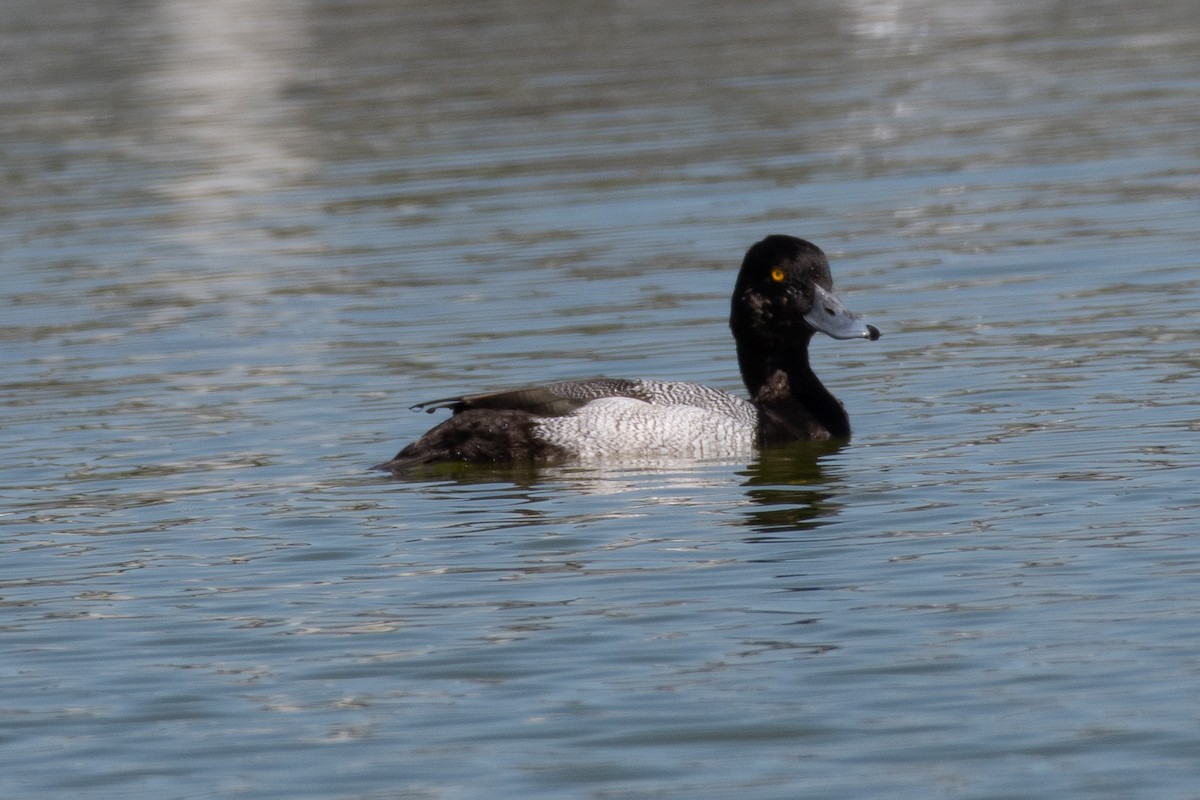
pixel 697 395
pixel 566 397
pixel 548 400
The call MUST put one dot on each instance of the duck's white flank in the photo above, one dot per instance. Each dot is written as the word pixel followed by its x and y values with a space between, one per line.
pixel 679 420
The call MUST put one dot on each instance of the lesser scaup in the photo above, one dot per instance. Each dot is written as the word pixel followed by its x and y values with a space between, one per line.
pixel 783 295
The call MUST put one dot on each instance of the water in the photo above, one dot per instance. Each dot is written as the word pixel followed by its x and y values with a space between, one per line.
pixel 240 240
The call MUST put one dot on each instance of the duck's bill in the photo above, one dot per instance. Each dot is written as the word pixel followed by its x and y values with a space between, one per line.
pixel 831 318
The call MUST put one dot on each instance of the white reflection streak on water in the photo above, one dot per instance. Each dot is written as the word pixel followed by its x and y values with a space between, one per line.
pixel 228 145
pixel 219 102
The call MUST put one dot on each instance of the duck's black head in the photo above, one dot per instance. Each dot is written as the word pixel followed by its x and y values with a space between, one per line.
pixel 784 294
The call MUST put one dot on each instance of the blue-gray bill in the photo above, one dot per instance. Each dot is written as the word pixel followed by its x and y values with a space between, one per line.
pixel 830 317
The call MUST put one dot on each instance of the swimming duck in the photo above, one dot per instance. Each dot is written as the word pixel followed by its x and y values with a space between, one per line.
pixel 783 295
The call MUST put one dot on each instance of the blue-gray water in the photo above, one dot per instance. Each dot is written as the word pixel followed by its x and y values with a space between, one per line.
pixel 239 240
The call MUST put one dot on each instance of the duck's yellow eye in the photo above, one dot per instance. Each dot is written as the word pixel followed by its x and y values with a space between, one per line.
pixel 778 275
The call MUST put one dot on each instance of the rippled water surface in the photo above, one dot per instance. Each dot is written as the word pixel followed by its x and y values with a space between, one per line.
pixel 239 240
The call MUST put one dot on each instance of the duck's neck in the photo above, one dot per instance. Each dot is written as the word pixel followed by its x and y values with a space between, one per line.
pixel 794 404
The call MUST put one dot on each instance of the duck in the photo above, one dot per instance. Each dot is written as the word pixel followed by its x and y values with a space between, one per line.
pixel 782 297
